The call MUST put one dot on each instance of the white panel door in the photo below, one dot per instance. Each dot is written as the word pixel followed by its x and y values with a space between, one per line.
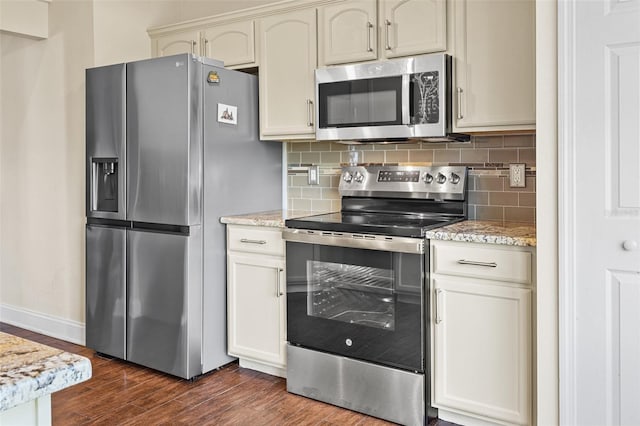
pixel 256 308
pixel 600 212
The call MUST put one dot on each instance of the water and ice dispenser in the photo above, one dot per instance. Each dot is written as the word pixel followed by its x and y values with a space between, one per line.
pixel 104 191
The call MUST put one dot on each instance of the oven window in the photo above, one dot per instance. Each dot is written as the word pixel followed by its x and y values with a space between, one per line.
pixel 364 102
pixel 361 303
pixel 350 293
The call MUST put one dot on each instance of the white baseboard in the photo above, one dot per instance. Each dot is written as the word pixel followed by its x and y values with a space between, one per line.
pixel 60 328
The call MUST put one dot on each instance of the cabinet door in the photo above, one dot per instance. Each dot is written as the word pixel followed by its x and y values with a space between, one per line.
pixel 494 51
pixel 256 308
pixel 482 349
pixel 174 44
pixel 412 27
pixel 231 43
pixel 347 32
pixel 287 52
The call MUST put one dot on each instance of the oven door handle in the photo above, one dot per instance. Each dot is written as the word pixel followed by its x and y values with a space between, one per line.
pixel 358 241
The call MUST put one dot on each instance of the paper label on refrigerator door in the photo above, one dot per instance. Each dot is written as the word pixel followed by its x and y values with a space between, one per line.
pixel 228 114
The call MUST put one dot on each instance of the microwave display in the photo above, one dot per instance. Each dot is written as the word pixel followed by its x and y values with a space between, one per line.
pixel 424 99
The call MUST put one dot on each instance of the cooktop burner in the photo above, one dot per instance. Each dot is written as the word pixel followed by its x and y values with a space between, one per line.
pixel 394 200
pixel 370 223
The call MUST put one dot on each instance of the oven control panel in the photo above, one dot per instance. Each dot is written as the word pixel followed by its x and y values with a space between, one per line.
pixel 434 182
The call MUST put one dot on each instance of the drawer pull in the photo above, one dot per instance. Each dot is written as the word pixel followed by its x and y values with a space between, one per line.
pixel 473 262
pixel 247 241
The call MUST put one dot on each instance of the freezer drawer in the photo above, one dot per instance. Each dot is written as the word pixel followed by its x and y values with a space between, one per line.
pixel 105 289
pixel 164 309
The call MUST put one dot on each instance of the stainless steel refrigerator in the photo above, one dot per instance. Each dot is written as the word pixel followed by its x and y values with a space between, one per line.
pixel 171 145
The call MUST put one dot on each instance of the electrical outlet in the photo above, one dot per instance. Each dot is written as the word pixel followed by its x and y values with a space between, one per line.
pixel 313 176
pixel 516 176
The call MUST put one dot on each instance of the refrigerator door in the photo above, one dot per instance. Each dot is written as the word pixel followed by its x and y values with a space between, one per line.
pixel 106 291
pixel 105 142
pixel 252 174
pixel 164 326
pixel 164 140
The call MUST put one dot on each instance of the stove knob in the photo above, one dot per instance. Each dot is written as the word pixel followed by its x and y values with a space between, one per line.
pixel 347 177
pixel 454 178
pixel 428 178
pixel 359 177
pixel 441 178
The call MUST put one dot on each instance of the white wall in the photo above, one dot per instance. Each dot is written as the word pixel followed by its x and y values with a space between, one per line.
pixel 193 9
pixel 42 188
pixel 120 27
pixel 41 169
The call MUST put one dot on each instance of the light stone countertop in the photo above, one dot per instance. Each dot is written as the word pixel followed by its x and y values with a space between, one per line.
pixel 488 232
pixel 30 370
pixel 273 218
pixel 473 231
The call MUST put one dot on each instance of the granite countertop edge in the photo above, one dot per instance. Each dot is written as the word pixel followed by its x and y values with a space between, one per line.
pixel 271 218
pixel 487 232
pixel 471 231
pixel 34 378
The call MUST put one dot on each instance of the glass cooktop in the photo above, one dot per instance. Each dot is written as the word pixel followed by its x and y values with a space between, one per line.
pixel 401 225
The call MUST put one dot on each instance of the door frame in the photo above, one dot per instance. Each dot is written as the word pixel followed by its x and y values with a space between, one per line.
pixel 567 192
pixel 546 374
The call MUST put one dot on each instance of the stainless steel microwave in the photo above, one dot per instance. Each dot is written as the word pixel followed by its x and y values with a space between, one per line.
pixel 392 101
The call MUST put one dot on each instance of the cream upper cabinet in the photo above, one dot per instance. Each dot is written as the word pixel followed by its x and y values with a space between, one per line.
pixel 412 27
pixel 287 58
pixel 233 43
pixel 173 44
pixel 494 61
pixel 362 30
pixel 347 32
pixel 481 299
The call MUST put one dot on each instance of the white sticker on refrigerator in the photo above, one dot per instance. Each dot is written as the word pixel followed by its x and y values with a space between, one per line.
pixel 228 114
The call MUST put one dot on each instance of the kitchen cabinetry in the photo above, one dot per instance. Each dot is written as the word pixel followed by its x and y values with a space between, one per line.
pixel 347 32
pixel 351 31
pixel 287 57
pixel 412 27
pixel 256 298
pixel 494 64
pixel 174 44
pixel 233 43
pixel 481 332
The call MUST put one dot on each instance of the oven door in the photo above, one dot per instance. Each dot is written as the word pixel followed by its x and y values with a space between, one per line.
pixel 357 296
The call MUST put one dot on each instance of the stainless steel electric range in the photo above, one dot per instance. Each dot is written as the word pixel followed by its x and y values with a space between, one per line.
pixel 357 290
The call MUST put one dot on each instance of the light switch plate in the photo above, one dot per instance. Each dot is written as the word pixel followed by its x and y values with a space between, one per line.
pixel 313 175
pixel 517 175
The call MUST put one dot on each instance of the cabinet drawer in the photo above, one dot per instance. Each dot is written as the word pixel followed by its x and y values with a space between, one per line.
pixel 254 239
pixel 479 261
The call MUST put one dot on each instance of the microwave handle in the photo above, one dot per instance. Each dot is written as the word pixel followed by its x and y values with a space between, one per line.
pixel 406 108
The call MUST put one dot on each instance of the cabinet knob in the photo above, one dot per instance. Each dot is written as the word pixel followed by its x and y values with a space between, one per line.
pixel 630 245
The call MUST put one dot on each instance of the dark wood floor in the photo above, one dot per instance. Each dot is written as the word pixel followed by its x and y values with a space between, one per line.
pixel 120 393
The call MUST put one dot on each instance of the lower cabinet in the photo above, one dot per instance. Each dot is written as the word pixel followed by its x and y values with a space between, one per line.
pixel 482 334
pixel 256 298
